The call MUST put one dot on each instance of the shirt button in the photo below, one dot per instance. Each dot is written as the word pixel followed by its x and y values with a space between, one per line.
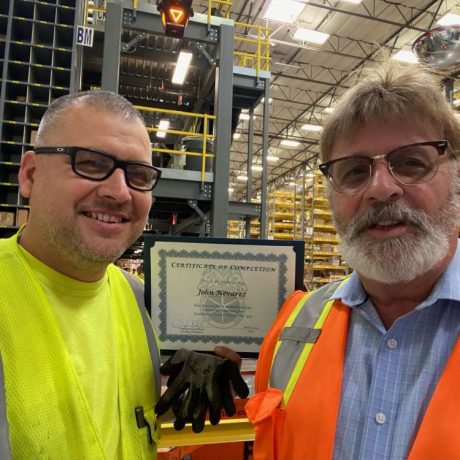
pixel 380 418
pixel 392 343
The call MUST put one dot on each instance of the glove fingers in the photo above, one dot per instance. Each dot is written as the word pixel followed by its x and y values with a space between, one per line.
pixel 215 409
pixel 179 424
pixel 168 367
pixel 199 414
pixel 190 406
pixel 238 383
pixel 227 401
pixel 174 392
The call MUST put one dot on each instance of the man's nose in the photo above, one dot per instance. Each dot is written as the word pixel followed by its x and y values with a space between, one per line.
pixel 382 185
pixel 115 186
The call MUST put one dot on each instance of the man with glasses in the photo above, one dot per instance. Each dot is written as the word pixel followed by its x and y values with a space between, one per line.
pixel 368 367
pixel 79 363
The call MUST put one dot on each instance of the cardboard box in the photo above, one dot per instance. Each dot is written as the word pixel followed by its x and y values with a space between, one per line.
pixel 21 217
pixel 33 135
pixel 6 219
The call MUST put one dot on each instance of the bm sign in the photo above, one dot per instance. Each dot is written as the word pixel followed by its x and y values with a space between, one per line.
pixel 85 36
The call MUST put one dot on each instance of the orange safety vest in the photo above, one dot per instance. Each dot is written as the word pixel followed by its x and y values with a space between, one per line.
pixel 298 422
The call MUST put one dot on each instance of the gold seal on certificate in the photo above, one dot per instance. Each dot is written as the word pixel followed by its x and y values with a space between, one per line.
pixel 205 292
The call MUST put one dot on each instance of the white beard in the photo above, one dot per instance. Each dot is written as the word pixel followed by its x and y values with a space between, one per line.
pixel 403 258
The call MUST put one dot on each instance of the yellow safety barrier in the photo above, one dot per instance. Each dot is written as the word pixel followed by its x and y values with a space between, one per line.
pixel 93 9
pixel 205 136
pixel 222 5
pixel 258 57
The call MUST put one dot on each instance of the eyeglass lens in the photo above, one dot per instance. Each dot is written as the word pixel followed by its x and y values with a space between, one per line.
pixel 409 165
pixel 97 166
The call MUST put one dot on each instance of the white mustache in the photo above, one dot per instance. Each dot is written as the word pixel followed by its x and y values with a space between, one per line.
pixel 389 211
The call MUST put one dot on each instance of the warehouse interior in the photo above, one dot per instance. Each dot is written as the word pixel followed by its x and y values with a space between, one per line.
pixel 237 137
pixel 239 52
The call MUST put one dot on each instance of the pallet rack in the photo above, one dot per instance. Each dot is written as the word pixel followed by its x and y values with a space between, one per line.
pixel 36 52
pixel 323 262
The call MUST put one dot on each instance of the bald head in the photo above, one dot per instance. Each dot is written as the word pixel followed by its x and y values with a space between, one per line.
pixel 99 100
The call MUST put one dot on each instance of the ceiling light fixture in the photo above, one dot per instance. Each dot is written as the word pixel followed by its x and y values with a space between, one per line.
pixel 328 109
pixel 449 19
pixel 182 66
pixel 257 168
pixel 405 56
pixel 162 128
pixel 310 127
pixel 289 143
pixel 284 10
pixel 272 158
pixel 242 178
pixel 236 136
pixel 312 36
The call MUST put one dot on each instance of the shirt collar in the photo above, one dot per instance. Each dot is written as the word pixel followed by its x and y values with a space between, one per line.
pixel 352 293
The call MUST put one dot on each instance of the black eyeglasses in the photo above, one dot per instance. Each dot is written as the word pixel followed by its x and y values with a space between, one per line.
pixel 98 166
pixel 410 164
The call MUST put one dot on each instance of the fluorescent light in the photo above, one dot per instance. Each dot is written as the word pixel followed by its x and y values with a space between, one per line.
pixel 449 19
pixel 236 136
pixel 183 63
pixel 242 178
pixel 270 100
pixel 257 168
pixel 162 128
pixel 244 116
pixel 405 56
pixel 308 35
pixel 356 2
pixel 273 158
pixel 328 109
pixel 289 143
pixel 291 183
pixel 284 10
pixel 310 127
pixel 231 190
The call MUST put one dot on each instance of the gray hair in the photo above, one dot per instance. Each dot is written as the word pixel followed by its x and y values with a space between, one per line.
pixel 392 93
pixel 101 100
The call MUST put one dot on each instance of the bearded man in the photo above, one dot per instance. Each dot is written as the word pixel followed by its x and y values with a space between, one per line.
pixel 368 368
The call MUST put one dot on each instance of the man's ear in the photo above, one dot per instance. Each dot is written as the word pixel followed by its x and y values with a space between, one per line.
pixel 27 172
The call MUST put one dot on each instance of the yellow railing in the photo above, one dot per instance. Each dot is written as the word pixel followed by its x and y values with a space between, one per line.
pixel 93 9
pixel 258 56
pixel 204 135
pixel 222 5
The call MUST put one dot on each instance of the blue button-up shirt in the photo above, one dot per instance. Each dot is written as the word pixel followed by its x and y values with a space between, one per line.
pixel 390 375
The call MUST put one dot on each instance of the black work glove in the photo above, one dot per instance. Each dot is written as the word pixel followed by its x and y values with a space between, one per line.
pixel 198 383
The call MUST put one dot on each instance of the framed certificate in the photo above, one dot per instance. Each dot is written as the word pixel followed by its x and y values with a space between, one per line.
pixel 204 292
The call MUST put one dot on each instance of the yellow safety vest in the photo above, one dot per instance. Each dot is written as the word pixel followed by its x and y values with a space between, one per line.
pixel 43 413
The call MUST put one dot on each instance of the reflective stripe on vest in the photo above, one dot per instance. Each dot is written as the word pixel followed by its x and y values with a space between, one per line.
pixel 5 453
pixel 138 289
pixel 296 341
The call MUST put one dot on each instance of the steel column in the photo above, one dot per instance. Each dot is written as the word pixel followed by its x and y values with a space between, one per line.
pixel 5 67
pixel 76 66
pixel 112 46
pixel 263 185
pixel 249 168
pixel 224 98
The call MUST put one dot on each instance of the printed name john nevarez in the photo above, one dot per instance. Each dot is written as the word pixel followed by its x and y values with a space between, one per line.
pixel 203 266
pixel 221 292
